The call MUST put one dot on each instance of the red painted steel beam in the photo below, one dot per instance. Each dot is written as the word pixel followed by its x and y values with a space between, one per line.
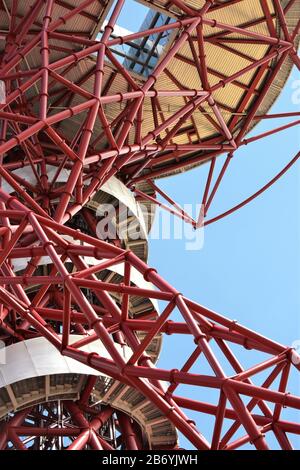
pixel 57 303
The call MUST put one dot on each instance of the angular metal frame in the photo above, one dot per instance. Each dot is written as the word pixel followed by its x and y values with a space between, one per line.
pixel 33 225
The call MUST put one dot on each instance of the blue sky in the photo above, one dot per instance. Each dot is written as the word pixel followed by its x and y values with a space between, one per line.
pixel 249 266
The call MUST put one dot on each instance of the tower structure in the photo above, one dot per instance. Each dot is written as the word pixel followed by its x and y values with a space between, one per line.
pixel 90 119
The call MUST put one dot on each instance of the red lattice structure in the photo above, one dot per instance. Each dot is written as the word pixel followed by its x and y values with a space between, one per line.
pixel 73 117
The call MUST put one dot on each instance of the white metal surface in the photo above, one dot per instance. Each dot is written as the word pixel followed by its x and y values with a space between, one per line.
pixel 37 357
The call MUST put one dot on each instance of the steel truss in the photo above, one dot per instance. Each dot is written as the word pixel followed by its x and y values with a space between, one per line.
pixel 38 131
pixel 65 425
